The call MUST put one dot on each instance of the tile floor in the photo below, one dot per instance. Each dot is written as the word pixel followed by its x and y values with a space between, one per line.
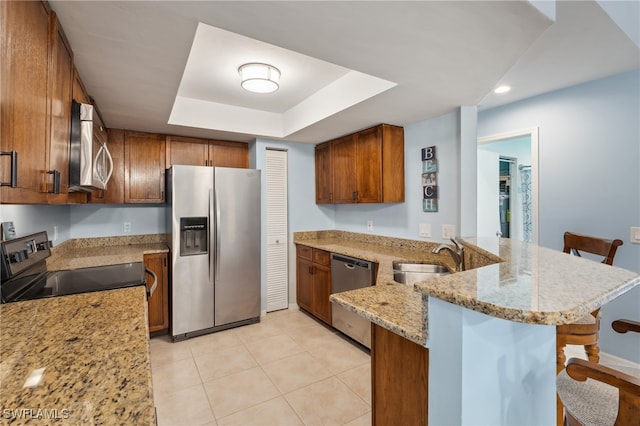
pixel 286 370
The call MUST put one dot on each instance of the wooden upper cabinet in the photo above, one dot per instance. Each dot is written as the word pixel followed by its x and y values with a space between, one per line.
pixel 24 116
pixel 61 78
pixel 365 167
pixel 324 188
pixel 228 154
pixel 343 161
pixel 79 92
pixel 204 152
pixel 144 159
pixel 187 151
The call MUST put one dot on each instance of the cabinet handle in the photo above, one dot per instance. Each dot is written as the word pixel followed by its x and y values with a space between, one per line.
pixel 164 261
pixel 311 270
pixel 56 181
pixel 13 182
pixel 354 195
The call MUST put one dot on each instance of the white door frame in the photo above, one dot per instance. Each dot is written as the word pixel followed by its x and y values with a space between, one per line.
pixel 532 132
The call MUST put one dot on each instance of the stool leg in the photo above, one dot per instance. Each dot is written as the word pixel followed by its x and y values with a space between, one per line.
pixel 593 352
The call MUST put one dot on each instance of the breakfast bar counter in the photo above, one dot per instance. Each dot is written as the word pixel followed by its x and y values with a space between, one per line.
pixel 79 359
pixel 489 330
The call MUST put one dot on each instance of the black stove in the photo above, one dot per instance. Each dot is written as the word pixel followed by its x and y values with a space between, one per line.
pixel 24 274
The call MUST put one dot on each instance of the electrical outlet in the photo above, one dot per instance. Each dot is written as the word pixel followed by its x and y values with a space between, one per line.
pixel 635 235
pixel 448 231
pixel 369 225
pixel 127 227
pixel 425 230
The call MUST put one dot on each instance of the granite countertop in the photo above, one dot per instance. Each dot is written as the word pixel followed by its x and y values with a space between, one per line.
pixel 90 252
pixel 93 349
pixel 505 279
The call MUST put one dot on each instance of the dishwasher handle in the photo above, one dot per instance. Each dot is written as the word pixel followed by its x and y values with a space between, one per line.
pixel 350 262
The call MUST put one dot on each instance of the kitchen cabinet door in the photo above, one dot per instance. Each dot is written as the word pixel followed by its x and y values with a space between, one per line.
pixel 368 166
pixel 158 303
pixel 321 293
pixel 114 194
pixel 343 161
pixel 304 284
pixel 187 151
pixel 25 107
pixel 144 159
pixel 324 190
pixel 228 154
pixel 61 77
pixel 400 395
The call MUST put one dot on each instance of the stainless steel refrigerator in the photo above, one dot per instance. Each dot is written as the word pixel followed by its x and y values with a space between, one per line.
pixel 214 215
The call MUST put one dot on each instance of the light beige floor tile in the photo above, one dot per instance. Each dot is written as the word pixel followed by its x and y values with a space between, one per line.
pixel 328 402
pixel 311 335
pixel 273 348
pixel 238 391
pixel 296 371
pixel 164 352
pixel 338 355
pixel 188 406
pixel 273 412
pixel 362 420
pixel 175 376
pixel 290 320
pixel 359 380
pixel 214 341
pixel 222 362
pixel 255 332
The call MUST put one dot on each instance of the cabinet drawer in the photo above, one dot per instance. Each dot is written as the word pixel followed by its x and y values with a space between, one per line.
pixel 321 257
pixel 304 252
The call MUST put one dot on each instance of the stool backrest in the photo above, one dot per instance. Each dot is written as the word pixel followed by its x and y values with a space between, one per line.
pixel 576 243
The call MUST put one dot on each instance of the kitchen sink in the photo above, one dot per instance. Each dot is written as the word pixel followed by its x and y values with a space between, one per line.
pixel 412 272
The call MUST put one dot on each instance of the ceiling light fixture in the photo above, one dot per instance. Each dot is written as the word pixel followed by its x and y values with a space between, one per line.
pixel 501 89
pixel 259 78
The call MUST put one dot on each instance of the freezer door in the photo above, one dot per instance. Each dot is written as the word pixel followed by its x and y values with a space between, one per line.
pixel 237 244
pixel 192 275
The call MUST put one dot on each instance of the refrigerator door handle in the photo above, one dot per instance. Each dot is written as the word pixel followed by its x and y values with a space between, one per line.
pixel 212 235
pixel 217 226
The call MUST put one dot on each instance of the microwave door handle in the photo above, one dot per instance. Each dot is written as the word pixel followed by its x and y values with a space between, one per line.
pixel 96 165
pixel 108 155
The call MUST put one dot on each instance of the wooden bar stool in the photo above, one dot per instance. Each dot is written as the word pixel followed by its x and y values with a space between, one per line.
pixel 595 394
pixel 585 330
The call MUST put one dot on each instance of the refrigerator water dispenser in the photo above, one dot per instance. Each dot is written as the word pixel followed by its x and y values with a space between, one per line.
pixel 193 235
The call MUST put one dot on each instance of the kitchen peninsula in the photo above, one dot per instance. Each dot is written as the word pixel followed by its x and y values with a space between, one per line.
pixel 489 331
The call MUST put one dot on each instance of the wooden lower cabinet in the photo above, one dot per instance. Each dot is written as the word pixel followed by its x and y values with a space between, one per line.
pixel 158 303
pixel 313 281
pixel 399 394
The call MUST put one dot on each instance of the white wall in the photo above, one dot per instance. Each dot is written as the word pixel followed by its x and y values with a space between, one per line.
pixel 402 220
pixel 589 179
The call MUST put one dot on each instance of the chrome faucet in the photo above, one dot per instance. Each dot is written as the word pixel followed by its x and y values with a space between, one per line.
pixel 457 253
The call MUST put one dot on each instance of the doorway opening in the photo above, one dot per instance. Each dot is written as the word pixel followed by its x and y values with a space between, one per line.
pixel 507 185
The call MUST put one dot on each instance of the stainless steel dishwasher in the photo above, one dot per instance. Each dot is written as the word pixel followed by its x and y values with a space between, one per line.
pixel 348 273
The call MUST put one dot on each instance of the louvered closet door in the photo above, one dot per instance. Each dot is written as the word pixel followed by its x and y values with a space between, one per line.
pixel 277 235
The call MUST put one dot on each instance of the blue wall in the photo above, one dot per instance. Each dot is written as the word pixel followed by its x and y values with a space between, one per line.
pixel 589 179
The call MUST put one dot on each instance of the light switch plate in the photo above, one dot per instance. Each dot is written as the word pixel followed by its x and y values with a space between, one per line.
pixel 425 230
pixel 127 227
pixel 448 231
pixel 635 234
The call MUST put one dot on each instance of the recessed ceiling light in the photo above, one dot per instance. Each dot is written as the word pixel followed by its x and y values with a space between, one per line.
pixel 501 89
pixel 259 78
